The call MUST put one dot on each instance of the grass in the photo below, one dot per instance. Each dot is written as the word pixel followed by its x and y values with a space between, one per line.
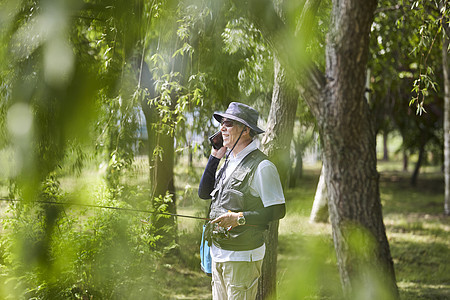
pixel 417 231
pixel 418 234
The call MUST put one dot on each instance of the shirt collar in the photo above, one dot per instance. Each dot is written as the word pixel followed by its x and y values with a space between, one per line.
pixel 244 152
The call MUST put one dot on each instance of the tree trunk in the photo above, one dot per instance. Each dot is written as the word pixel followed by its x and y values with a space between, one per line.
pixel 385 147
pixel 415 174
pixel 276 144
pixel 337 101
pixel 349 145
pixel 319 212
pixel 446 69
pixel 161 155
pixel 405 161
pixel 190 156
pixel 297 169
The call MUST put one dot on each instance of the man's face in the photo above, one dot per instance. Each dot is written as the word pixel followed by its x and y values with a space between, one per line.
pixel 230 132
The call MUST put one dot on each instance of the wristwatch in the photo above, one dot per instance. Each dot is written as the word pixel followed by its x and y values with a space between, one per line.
pixel 241 219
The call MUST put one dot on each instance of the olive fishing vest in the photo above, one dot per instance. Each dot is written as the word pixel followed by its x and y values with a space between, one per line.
pixel 234 195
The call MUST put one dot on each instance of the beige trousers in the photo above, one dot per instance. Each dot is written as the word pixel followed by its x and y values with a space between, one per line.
pixel 235 280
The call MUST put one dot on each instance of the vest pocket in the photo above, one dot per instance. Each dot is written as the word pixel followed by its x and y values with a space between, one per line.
pixel 238 178
pixel 215 193
pixel 233 200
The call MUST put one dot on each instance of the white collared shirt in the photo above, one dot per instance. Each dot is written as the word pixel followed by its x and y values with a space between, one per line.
pixel 266 184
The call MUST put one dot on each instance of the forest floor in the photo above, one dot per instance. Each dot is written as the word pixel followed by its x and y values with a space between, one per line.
pixel 418 233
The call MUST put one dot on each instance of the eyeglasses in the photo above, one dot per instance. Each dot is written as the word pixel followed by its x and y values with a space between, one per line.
pixel 227 123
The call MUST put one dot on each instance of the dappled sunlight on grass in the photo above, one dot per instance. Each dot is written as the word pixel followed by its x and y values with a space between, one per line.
pixel 307 268
pixel 416 225
pixel 306 259
pixel 84 188
pixel 413 290
pixel 295 224
pixel 183 283
pixel 417 231
pixel 418 234
pixel 399 197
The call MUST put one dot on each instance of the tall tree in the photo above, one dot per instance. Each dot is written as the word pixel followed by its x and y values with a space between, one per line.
pixel 351 176
pixel 161 156
pixel 446 74
pixel 276 144
pixel 336 98
pixel 433 18
pixel 319 211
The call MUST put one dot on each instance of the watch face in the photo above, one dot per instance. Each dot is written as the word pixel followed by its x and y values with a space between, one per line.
pixel 241 220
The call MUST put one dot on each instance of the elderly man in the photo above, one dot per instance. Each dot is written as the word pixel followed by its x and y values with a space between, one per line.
pixel 246 195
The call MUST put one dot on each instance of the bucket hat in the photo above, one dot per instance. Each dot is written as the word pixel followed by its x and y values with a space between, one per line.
pixel 242 113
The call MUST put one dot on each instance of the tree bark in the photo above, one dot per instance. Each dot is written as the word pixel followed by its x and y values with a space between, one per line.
pixel 405 161
pixel 385 147
pixel 337 101
pixel 276 144
pixel 446 69
pixel 297 169
pixel 161 155
pixel 415 174
pixel 349 146
pixel 319 212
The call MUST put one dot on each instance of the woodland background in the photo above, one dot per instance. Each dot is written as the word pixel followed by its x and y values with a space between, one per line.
pixel 105 111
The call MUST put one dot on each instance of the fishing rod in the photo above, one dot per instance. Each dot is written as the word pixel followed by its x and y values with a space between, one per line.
pixel 111 207
pixel 120 209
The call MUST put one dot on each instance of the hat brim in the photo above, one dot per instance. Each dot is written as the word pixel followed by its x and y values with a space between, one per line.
pixel 220 116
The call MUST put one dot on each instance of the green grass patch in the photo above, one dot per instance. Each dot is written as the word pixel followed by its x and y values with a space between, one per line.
pixel 417 231
pixel 418 235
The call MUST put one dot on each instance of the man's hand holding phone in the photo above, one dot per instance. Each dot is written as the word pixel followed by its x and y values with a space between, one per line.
pixel 216 141
pixel 219 153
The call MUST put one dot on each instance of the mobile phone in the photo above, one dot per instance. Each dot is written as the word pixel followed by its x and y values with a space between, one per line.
pixel 216 140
